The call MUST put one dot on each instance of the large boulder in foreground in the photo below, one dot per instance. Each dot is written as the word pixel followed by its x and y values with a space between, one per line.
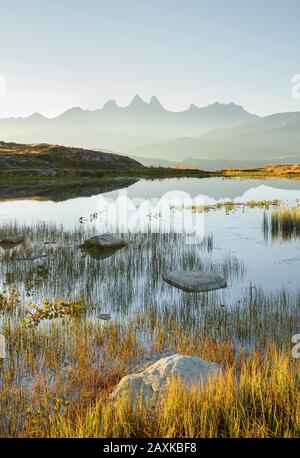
pixel 152 382
pixel 194 280
pixel 104 242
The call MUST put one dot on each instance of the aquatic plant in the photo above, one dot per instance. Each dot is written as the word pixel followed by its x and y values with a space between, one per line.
pixel 228 205
pixel 63 360
pixel 282 223
pixel 10 300
pixel 50 310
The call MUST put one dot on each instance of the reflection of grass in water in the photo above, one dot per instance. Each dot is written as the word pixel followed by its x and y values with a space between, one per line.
pixel 58 375
pixel 282 223
pixel 229 205
pixel 129 279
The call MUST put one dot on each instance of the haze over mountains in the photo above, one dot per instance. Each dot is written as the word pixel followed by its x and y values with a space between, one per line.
pixel 274 138
pixel 212 136
pixel 122 128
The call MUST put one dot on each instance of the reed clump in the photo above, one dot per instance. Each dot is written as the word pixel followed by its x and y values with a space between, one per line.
pixel 283 223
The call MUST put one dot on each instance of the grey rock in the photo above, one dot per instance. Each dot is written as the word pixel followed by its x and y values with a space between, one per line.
pixel 194 281
pixel 151 383
pixel 104 241
pixel 11 242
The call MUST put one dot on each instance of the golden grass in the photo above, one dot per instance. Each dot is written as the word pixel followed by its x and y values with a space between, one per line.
pixel 262 399
pixel 229 205
pixel 58 376
pixel 272 170
pixel 283 223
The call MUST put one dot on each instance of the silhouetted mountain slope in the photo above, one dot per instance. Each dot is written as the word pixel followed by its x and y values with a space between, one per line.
pixel 268 138
pixel 215 164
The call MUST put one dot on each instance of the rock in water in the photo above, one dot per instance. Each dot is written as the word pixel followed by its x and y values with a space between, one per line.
pixel 104 316
pixel 152 382
pixel 100 253
pixel 104 241
pixel 194 280
pixel 11 242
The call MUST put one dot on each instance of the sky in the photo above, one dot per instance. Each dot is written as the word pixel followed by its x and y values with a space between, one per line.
pixel 65 53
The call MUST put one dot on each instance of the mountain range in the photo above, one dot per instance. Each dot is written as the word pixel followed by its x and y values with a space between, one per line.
pixel 218 135
pixel 122 129
pixel 272 137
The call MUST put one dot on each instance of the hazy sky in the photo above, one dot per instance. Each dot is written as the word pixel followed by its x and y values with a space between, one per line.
pixel 62 53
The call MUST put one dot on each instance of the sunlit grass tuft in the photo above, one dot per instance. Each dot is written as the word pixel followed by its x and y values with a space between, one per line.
pixel 283 223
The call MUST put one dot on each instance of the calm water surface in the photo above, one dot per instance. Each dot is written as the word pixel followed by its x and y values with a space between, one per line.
pixel 131 278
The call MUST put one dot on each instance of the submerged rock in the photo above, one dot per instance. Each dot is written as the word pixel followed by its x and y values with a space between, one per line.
pixel 103 242
pixel 152 382
pixel 11 242
pixel 32 258
pixel 104 316
pixel 100 253
pixel 194 280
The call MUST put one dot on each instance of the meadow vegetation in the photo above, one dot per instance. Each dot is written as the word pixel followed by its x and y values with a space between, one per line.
pixel 284 171
pixel 63 360
pixel 58 376
pixel 229 205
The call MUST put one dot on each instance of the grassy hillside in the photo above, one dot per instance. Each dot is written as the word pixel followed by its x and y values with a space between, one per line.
pixel 54 172
pixel 48 160
pixel 55 161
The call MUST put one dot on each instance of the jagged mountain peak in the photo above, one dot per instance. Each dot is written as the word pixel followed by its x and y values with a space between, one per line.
pixel 72 112
pixel 110 104
pixel 155 103
pixel 137 102
pixel 193 107
pixel 224 106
